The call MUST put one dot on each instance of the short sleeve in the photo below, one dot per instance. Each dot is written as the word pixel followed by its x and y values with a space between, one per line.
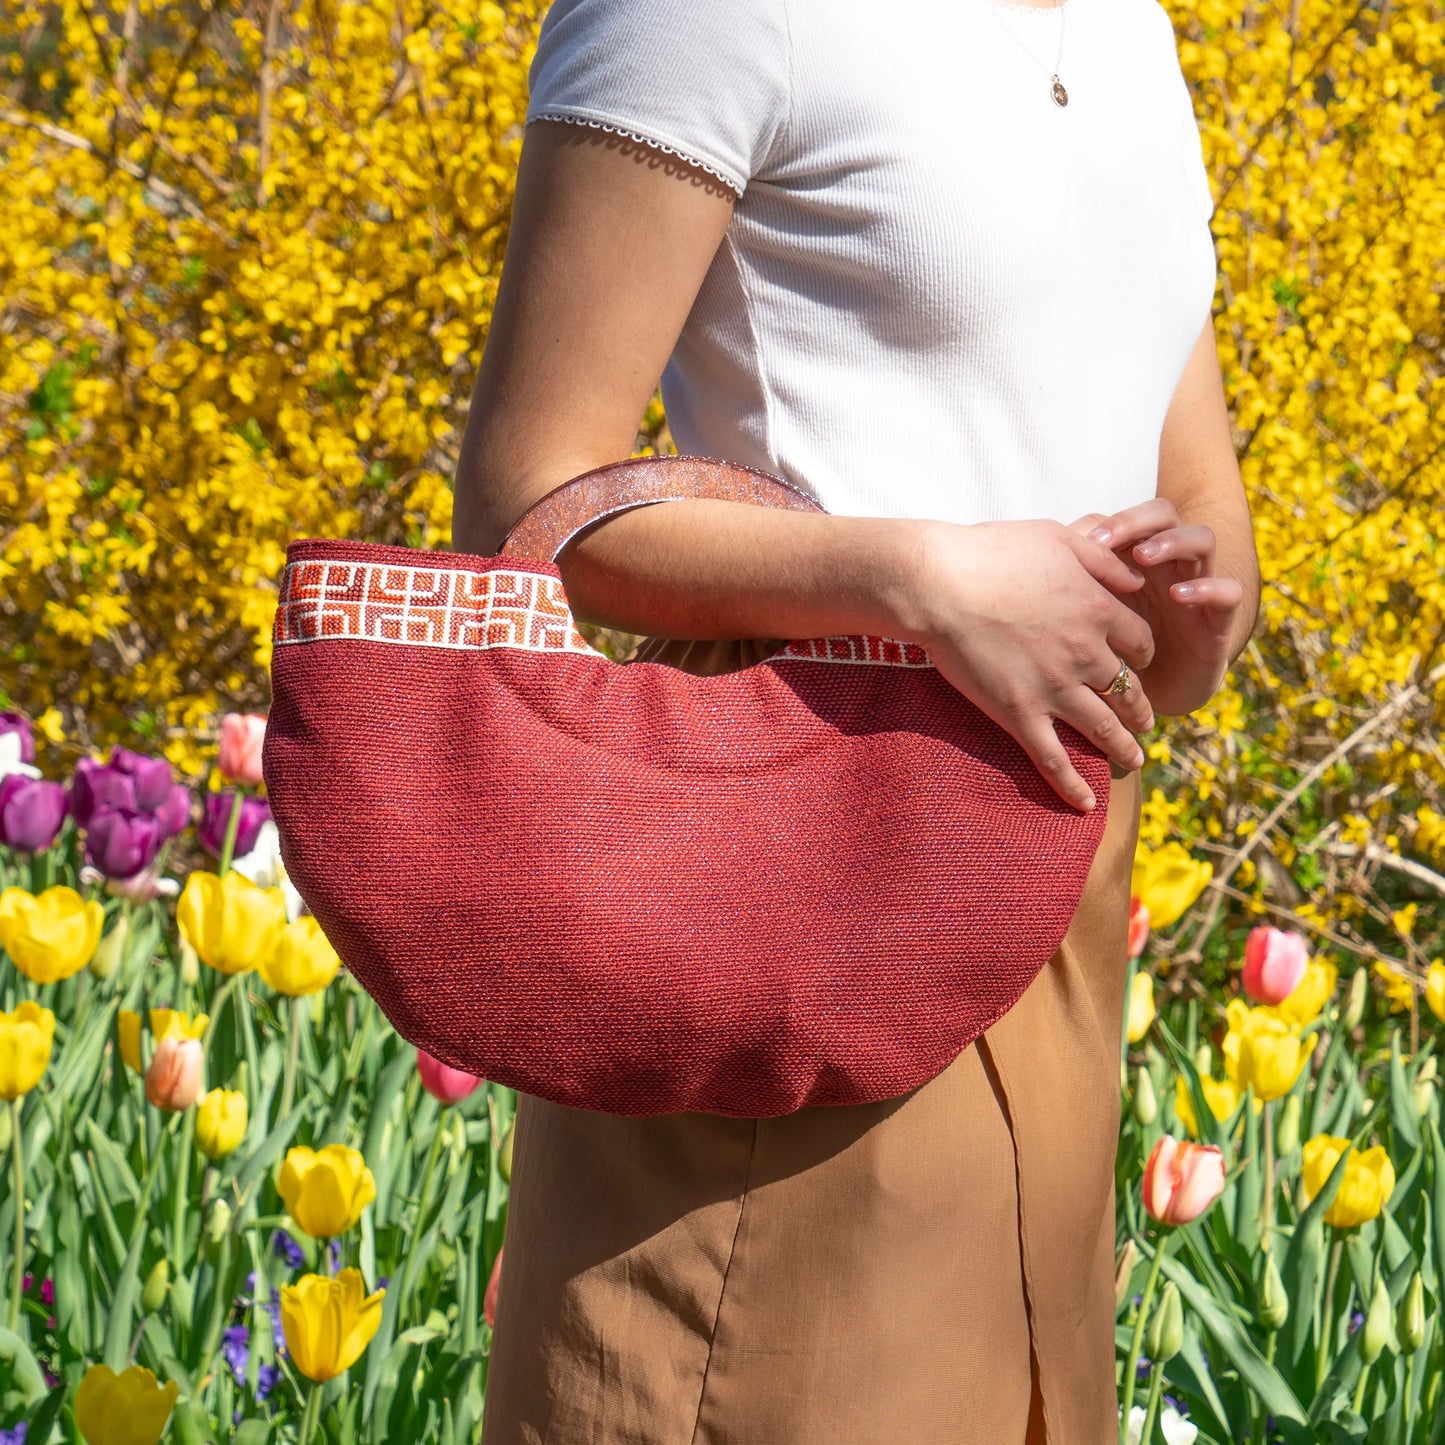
pixel 704 80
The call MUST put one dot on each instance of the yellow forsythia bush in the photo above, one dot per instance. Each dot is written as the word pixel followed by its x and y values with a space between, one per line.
pixel 246 271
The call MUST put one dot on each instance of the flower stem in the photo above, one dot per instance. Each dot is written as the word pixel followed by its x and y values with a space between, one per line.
pixel 1151 1410
pixel 293 1053
pixel 1267 1214
pixel 17 1157
pixel 312 1417
pixel 1326 1342
pixel 233 824
pixel 1141 1320
pixel 1359 1400
pixel 180 1186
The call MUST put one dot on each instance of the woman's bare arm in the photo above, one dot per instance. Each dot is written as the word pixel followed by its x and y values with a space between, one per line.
pixel 609 245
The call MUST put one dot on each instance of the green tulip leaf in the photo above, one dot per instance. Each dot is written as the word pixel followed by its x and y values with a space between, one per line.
pixel 22 1367
pixel 1403 1113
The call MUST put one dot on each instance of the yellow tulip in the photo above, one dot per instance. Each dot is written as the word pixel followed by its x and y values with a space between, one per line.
pixel 221 1122
pixel 328 1322
pixel 25 1039
pixel 1222 1096
pixel 303 960
pixel 325 1190
pixel 52 936
pixel 1264 1049
pixel 1368 1183
pixel 1310 995
pixel 169 1023
pixel 1397 988
pixel 1167 880
pixel 230 922
pixel 128 1030
pixel 130 1408
pixel 1435 989
pixel 1141 1007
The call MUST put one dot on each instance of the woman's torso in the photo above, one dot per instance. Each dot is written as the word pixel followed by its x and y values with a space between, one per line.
pixel 940 294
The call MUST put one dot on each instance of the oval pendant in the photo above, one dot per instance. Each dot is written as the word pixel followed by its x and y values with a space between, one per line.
pixel 1056 89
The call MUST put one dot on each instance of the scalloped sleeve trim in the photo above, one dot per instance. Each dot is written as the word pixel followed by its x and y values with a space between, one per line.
pixel 730 180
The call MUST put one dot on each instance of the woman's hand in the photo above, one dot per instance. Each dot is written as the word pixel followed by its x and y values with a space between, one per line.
pixel 1190 612
pixel 1022 618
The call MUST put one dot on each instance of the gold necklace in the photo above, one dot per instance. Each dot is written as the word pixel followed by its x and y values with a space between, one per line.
pixel 1059 95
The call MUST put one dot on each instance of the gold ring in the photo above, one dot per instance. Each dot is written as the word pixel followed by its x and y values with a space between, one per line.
pixel 1120 684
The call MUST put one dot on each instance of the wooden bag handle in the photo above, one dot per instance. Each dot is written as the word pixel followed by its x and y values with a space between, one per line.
pixel 546 527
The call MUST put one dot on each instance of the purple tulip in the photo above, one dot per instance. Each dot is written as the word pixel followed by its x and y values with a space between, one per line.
pixel 31 812
pixel 96 785
pixel 174 815
pixel 151 777
pixel 17 722
pixel 120 842
pixel 216 818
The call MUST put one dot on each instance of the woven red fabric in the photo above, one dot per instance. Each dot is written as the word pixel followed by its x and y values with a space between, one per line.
pixel 637 890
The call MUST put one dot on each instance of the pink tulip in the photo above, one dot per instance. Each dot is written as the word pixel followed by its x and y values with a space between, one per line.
pixel 1181 1180
pixel 494 1288
pixel 1274 962
pixel 176 1073
pixel 1138 927
pixel 241 738
pixel 442 1082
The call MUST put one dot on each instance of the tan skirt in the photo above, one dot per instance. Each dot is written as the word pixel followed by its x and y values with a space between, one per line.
pixel 935 1269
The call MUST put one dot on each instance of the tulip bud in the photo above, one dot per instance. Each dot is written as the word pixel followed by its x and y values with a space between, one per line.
pixel 1427 1070
pixel 1410 1322
pixel 218 1221
pixel 1273 1308
pixel 107 957
pixel 1287 1126
pixel 1146 1101
pixel 1124 1263
pixel 1424 1097
pixel 158 1281
pixel 190 963
pixel 1166 1330
pixel 1204 1060
pixel 504 1156
pixel 1354 1009
pixel 1379 1328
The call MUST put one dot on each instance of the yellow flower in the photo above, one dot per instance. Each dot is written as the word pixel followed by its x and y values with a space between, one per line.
pixel 169 1023
pixel 1141 1007
pixel 1398 989
pixel 1167 880
pixel 221 1122
pixel 1368 1183
pixel 303 960
pixel 325 1190
pixel 25 1039
pixel 130 1408
pixel 1222 1095
pixel 328 1322
pixel 1435 989
pixel 1264 1049
pixel 50 937
pixel 230 922
pixel 128 1028
pixel 1310 995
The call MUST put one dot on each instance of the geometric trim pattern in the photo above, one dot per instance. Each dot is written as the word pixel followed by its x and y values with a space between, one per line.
pixel 448 607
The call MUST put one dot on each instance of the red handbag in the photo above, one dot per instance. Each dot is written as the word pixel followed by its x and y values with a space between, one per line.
pixel 638 889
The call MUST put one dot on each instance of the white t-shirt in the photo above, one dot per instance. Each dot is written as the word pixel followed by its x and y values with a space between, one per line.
pixel 940 294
